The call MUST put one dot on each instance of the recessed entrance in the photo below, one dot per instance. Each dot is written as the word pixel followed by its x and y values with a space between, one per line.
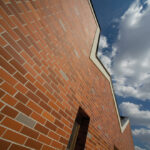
pixel 79 132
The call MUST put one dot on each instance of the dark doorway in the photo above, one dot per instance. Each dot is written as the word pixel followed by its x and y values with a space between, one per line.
pixel 79 132
pixel 115 148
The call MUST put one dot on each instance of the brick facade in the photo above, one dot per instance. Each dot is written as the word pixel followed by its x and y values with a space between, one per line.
pixel 46 75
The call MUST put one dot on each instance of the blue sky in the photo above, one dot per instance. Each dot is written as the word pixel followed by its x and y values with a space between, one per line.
pixel 124 49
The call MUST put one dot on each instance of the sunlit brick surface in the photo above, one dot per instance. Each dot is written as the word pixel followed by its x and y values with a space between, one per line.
pixel 46 74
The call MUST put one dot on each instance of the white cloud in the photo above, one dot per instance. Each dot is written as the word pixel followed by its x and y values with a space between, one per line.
pixel 139 148
pixel 142 135
pixel 105 59
pixel 103 42
pixel 131 53
pixel 138 118
pixel 136 114
pixel 133 14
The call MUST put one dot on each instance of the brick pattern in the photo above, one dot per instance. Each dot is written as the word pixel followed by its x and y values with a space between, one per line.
pixel 46 74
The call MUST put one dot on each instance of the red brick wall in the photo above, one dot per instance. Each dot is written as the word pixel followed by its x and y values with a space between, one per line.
pixel 46 74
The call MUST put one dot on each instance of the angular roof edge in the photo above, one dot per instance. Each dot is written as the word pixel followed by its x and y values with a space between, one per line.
pixel 100 66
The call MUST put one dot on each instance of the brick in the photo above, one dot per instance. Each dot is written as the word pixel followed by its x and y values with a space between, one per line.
pixel 32 41
pixel 35 107
pixel 37 69
pixel 53 79
pixel 8 29
pixel 37 61
pixel 16 7
pixel 31 86
pixel 45 106
pixel 22 36
pixel 1 80
pixel 61 132
pixel 25 5
pixel 33 144
pixel 14 54
pixel 62 25
pixel 48 88
pixel 51 71
pixel 5 8
pixel 17 147
pixel 2 130
pixel 21 88
pixel 10 123
pixel 21 43
pixel 39 86
pixel 4 144
pixel 29 132
pixel 8 88
pixel 55 87
pixel 1 93
pixel 58 103
pixel 18 67
pixel 59 124
pixel 58 97
pixel 9 111
pixel 3 43
pixel 20 78
pixel 6 18
pixel 2 29
pixel 1 116
pixel 21 107
pixel 63 140
pixel 76 53
pixel 66 122
pixel 53 105
pixel 42 96
pixel 25 120
pixel 31 71
pixel 58 80
pixel 56 145
pixel 63 113
pixel 13 10
pixel 64 75
pixel 9 135
pixel 41 129
pixel 6 66
pixel 21 97
pixel 16 21
pixel 45 77
pixel 68 112
pixel 48 116
pixel 4 54
pixel 68 130
pixel 55 114
pixel 7 77
pixel 27 57
pixel 45 147
pixel 11 41
pixel 54 135
pixel 50 126
pixel 9 100
pixel 44 139
pixel 40 79
pixel 30 78
pixel 1 105
pixel 38 118
pixel 33 97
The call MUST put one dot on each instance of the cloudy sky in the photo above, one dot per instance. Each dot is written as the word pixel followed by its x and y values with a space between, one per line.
pixel 124 49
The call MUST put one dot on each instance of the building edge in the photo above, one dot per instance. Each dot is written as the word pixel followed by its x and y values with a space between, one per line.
pixel 100 66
